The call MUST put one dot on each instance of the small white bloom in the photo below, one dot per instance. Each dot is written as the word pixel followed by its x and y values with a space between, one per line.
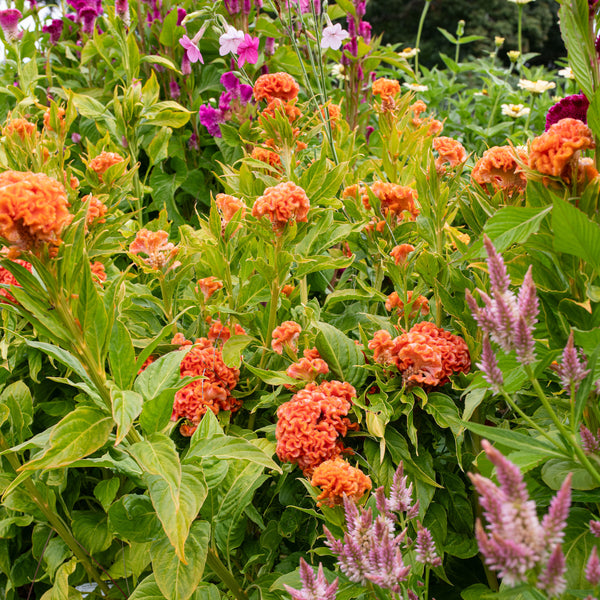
pixel 408 53
pixel 536 87
pixel 515 110
pixel 520 1
pixel 333 36
pixel 567 73
pixel 338 72
pixel 415 87
pixel 230 40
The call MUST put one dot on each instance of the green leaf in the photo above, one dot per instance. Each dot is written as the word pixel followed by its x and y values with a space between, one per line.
pixel 91 530
pixel 134 519
pixel 158 149
pixel 61 589
pixel 126 407
pixel 271 377
pixel 593 114
pixel 64 357
pixel 168 32
pixel 147 590
pixel 121 356
pixel 163 374
pixel 575 234
pixel 556 470
pixel 106 491
pixel 160 60
pixel 175 579
pixel 233 348
pixel 514 224
pixel 77 435
pixel 17 401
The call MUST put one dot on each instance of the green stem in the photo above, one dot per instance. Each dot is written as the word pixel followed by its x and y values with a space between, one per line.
pixel 275 291
pixel 215 563
pixel 520 37
pixel 418 40
pixel 530 112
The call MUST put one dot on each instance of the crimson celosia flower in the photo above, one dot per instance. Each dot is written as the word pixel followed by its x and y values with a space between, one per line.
pixel 281 204
pixel 574 107
pixel 338 478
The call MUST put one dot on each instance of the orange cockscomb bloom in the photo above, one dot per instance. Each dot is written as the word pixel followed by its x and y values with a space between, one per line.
pixel 21 127
pixel 104 161
pixel 212 392
pixel 556 151
pixel 426 355
pixel 338 478
pixel 98 272
pixel 396 199
pixel 221 333
pixel 275 85
pixel 386 88
pixel 450 152
pixel 154 244
pixel 286 334
pixel 96 210
pixel 281 204
pixel 229 206
pixel 309 367
pixel 61 118
pixel 400 253
pixel 499 168
pixel 33 210
pixel 266 156
pixel 279 106
pixel 287 290
pixel 208 286
pixel 7 278
pixel 419 304
pixel 310 424
pixel 331 111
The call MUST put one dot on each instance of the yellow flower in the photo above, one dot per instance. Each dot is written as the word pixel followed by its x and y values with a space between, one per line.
pixel 513 55
pixel 498 41
pixel 536 87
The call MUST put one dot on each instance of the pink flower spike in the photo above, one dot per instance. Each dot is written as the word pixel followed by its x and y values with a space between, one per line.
pixel 313 588
pixel 9 21
pixel 333 36
pixel 592 570
pixel 230 41
pixel 247 50
pixel 595 528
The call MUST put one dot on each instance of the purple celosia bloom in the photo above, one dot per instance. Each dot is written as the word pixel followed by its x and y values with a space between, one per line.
pixel 589 442
pixel 573 367
pixel 592 570
pixel 425 551
pixel 87 13
pixel 313 588
pixel 230 41
pixel 364 30
pixel 333 36
pixel 232 6
pixel 552 579
pixel 269 46
pixel 573 107
pixel 555 520
pixel 211 118
pixel 9 21
pixel 122 10
pixel 174 90
pixel 247 50
pixel 489 366
pixel 55 29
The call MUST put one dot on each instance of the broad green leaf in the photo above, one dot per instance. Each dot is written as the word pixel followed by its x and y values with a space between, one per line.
pixel 106 491
pixel 556 470
pixel 121 356
pixel 162 374
pixel 61 589
pixel 513 225
pixel 126 407
pixel 147 590
pixel 271 377
pixel 91 530
pixel 160 60
pixel 64 357
pixel 17 400
pixel 158 149
pixel 593 114
pixel 134 519
pixel 176 580
pixel 76 436
pixel 233 348
pixel 209 427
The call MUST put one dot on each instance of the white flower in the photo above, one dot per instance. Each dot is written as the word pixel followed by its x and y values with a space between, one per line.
pixel 515 110
pixel 415 87
pixel 230 40
pixel 333 36
pixel 338 72
pixel 520 1
pixel 536 87
pixel 408 53
pixel 567 73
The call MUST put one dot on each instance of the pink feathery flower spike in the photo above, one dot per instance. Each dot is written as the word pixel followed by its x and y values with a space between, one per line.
pixel 589 442
pixel 555 520
pixel 313 588
pixel 425 550
pixel 552 579
pixel 499 279
pixel 489 366
pixel 573 367
pixel 592 569
pixel 595 528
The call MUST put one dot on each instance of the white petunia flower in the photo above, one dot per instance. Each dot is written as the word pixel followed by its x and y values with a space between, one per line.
pixel 567 73
pixel 230 40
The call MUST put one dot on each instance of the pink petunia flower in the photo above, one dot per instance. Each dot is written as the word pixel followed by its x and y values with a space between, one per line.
pixel 230 41
pixel 333 36
pixel 247 50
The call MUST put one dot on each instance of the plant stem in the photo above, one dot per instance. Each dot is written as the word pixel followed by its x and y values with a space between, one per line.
pixel 215 563
pixel 275 291
pixel 418 40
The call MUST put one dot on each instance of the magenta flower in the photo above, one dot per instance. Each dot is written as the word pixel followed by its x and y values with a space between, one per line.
pixel 574 107
pixel 55 29
pixel 9 20
pixel 230 41
pixel 247 50
pixel 333 36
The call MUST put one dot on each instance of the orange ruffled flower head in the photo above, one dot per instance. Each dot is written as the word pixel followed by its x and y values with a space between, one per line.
pixel 266 156
pixel 426 355
pixel 400 253
pixel 338 478
pixel 33 210
pixel 419 304
pixel 286 334
pixel 98 272
pixel 96 210
pixel 21 127
pixel 450 152
pixel 331 111
pixel 386 88
pixel 279 106
pixel 221 333
pixel 309 367
pixel 212 392
pixel 556 151
pixel 61 118
pixel 282 203
pixel 104 161
pixel 7 278
pixel 395 199
pixel 275 85
pixel 208 286
pixel 229 206
pixel 154 244
pixel 310 424
pixel 499 167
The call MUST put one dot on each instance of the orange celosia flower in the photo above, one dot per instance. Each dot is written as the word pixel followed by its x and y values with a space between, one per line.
pixel 208 286
pixel 400 253
pixel 61 118
pixel 499 167
pixel 96 210
pixel 310 424
pixel 337 478
pixel 426 355
pixel 420 304
pixel 21 127
pixel 417 109
pixel 221 333
pixel 33 210
pixel 275 85
pixel 266 156
pixel 396 199
pixel 386 88
pixel 287 290
pixel 213 391
pixel 375 224
pixel 154 244
pixel 450 152
pixel 98 272
pixel 282 203
pixel 104 161
pixel 286 334
pixel 7 278
pixel 278 106
pixel 586 171
pixel 179 340
pixel 229 206
pixel 146 364
pixel 556 151
pixel 331 111
pixel 309 367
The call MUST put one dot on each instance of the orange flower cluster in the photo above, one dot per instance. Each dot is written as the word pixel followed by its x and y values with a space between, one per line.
pixel 179 340
pixel 331 111
pixel 287 290
pixel 282 203
pixel 154 244
pixel 337 478
pixel 278 106
pixel 21 127
pixel 212 392
pixel 499 167
pixel 556 151
pixel 61 118
pixel 386 88
pixel 419 304
pixel 221 333
pixel 104 161
pixel 417 109
pixel 229 206
pixel 450 152
pixel 7 278
pixel 400 253
pixel 275 85
pixel 399 200
pixel 33 210
pixel 98 272
pixel 310 424
pixel 208 286
pixel 266 156
pixel 286 334
pixel 426 355
pixel 96 210
pixel 309 367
